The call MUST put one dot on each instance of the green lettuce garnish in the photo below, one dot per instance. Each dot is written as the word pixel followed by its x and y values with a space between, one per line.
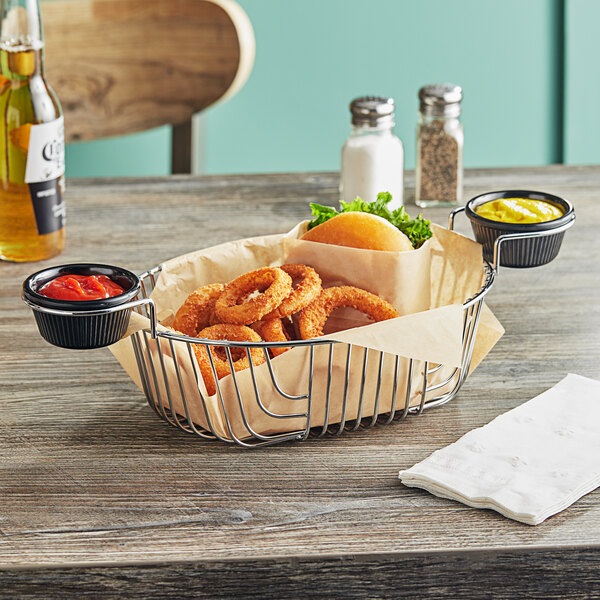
pixel 417 230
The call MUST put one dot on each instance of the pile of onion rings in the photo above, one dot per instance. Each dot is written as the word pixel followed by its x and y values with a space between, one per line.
pixel 272 304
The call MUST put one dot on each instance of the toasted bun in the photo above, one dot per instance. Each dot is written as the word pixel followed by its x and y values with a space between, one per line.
pixel 359 230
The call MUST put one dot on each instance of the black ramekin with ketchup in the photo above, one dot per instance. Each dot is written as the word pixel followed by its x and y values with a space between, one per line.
pixel 83 323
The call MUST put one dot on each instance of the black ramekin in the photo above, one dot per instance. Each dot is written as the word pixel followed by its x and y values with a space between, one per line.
pixel 82 324
pixel 520 252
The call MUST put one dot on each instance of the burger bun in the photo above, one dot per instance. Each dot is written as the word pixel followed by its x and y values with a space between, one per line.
pixel 359 230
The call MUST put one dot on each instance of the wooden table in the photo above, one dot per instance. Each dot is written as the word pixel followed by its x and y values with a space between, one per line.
pixel 98 495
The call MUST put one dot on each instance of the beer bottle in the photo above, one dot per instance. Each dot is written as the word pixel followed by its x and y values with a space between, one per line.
pixel 32 208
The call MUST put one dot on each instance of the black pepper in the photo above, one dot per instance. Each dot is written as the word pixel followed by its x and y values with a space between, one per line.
pixel 439 146
pixel 439 157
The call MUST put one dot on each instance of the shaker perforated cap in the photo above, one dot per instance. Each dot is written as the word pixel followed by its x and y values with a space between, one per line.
pixel 372 110
pixel 442 99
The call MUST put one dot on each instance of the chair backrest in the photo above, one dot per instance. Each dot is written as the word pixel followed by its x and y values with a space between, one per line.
pixel 121 66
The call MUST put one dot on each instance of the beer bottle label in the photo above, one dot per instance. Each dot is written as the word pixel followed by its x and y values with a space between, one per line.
pixel 44 171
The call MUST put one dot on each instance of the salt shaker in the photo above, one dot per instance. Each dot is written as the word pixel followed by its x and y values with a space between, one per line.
pixel 372 156
pixel 440 139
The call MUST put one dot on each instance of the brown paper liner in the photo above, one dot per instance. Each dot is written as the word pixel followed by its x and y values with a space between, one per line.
pixel 427 286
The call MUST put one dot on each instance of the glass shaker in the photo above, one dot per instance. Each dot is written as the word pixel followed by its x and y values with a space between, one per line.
pixel 440 139
pixel 372 157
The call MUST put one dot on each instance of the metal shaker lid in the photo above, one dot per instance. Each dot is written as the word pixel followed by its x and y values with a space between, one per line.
pixel 440 100
pixel 372 110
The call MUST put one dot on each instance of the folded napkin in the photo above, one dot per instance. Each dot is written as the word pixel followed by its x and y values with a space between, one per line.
pixel 528 463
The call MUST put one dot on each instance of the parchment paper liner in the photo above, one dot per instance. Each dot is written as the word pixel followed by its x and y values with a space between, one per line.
pixel 442 274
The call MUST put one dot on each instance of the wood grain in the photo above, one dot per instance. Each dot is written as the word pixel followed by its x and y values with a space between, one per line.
pixel 96 491
pixel 533 575
pixel 121 66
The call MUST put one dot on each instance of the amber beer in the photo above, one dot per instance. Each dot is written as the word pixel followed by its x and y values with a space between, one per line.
pixel 32 208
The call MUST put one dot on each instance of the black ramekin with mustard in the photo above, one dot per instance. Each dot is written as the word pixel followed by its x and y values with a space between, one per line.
pixel 519 228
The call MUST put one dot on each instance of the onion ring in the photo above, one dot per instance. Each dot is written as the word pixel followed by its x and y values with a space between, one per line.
pixel 234 333
pixel 195 313
pixel 274 286
pixel 306 286
pixel 273 330
pixel 312 318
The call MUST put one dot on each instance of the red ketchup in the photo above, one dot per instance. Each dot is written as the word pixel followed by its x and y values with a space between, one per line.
pixel 81 287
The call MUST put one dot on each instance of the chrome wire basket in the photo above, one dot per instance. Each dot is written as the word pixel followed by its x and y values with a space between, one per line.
pixel 346 387
pixel 172 401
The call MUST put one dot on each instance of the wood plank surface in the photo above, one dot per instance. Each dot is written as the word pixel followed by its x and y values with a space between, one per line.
pixel 121 66
pixel 93 486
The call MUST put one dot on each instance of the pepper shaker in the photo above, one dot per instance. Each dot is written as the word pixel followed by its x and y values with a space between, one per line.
pixel 372 157
pixel 440 138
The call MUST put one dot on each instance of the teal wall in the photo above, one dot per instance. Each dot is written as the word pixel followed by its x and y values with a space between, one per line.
pixel 582 82
pixel 314 56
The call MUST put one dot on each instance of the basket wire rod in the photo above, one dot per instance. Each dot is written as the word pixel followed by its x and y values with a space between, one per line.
pixel 445 382
pixel 377 391
pixel 424 389
pixel 167 387
pixel 151 273
pixel 327 393
pixel 258 398
pixel 247 425
pixel 466 362
pixel 220 396
pixel 387 420
pixel 467 314
pixel 137 350
pixel 144 291
pixel 157 396
pixel 190 423
pixel 152 309
pixel 466 328
pixel 471 341
pixel 409 378
pixel 362 393
pixel 202 399
pixel 443 399
pixel 439 400
pixel 276 384
pixel 345 398
pixel 468 323
pixel 310 388
pixel 489 280
pixel 434 369
pixel 469 334
pixel 452 215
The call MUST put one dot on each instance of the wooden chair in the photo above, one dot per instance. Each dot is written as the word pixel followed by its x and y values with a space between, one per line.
pixel 121 66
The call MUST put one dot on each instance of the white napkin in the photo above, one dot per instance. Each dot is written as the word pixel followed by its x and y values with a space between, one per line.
pixel 527 464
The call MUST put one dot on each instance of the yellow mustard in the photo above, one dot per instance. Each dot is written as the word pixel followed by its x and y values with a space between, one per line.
pixel 519 210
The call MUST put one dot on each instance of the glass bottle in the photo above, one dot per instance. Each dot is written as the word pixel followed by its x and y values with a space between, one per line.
pixel 32 208
pixel 372 156
pixel 440 140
